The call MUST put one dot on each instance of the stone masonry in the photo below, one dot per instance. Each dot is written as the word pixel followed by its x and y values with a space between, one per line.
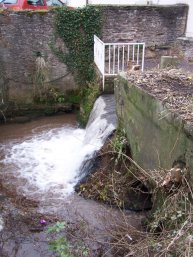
pixel 22 36
pixel 25 34
pixel 154 25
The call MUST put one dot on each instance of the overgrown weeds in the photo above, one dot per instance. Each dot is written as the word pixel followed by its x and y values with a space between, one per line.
pixel 88 96
pixel 119 143
pixel 65 239
pixel 112 182
pixel 39 79
pixel 168 230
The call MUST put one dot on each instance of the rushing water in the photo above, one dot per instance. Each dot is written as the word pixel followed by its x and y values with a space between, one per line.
pixel 47 162
pixel 43 160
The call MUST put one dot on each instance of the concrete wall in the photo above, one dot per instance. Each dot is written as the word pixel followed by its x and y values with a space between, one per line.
pixel 150 24
pixel 22 35
pixel 157 137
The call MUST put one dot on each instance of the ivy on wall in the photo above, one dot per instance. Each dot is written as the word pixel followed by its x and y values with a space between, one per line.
pixel 77 28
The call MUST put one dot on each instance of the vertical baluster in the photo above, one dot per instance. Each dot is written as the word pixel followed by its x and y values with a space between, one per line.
pixel 123 57
pixel 103 66
pixel 133 53
pixel 128 54
pixel 109 59
pixel 113 59
pixel 143 54
pixel 137 54
pixel 118 60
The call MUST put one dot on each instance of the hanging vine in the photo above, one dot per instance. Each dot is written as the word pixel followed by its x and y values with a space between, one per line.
pixel 77 28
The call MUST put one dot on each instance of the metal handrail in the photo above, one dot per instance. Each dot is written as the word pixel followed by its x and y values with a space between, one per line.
pixel 111 58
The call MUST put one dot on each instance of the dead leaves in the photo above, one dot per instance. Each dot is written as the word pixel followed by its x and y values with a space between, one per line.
pixel 174 88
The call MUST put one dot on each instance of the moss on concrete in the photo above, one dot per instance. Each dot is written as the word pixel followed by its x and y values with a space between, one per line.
pixel 157 137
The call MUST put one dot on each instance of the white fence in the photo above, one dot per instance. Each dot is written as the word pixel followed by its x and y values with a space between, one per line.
pixel 99 55
pixel 111 58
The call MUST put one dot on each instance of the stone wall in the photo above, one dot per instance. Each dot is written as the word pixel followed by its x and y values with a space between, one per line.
pixel 183 50
pixel 22 36
pixel 185 46
pixel 154 25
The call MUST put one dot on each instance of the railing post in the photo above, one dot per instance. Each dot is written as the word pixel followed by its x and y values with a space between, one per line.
pixel 103 66
pixel 143 56
pixel 123 58
pixel 113 59
pixel 109 59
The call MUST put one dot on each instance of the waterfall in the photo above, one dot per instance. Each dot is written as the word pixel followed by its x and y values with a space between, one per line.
pixel 101 124
pixel 102 121
pixel 50 162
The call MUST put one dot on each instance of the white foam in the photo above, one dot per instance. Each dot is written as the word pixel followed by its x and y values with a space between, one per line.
pixel 48 165
pixel 51 160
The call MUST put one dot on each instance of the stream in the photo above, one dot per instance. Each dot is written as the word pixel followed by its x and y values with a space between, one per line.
pixel 40 163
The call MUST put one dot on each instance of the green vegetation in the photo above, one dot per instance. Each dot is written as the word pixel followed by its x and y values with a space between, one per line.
pixel 52 95
pixel 120 181
pixel 113 179
pixel 60 244
pixel 119 143
pixel 77 28
pixel 48 94
pixel 88 96
pixel 60 235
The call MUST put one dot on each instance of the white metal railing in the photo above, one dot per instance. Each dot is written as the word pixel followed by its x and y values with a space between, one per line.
pixel 99 56
pixel 111 58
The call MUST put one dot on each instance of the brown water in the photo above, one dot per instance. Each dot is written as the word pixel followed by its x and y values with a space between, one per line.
pixel 20 131
pixel 23 202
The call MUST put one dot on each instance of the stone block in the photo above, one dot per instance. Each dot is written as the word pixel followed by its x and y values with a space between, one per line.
pixel 22 36
pixel 168 62
pixel 134 23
